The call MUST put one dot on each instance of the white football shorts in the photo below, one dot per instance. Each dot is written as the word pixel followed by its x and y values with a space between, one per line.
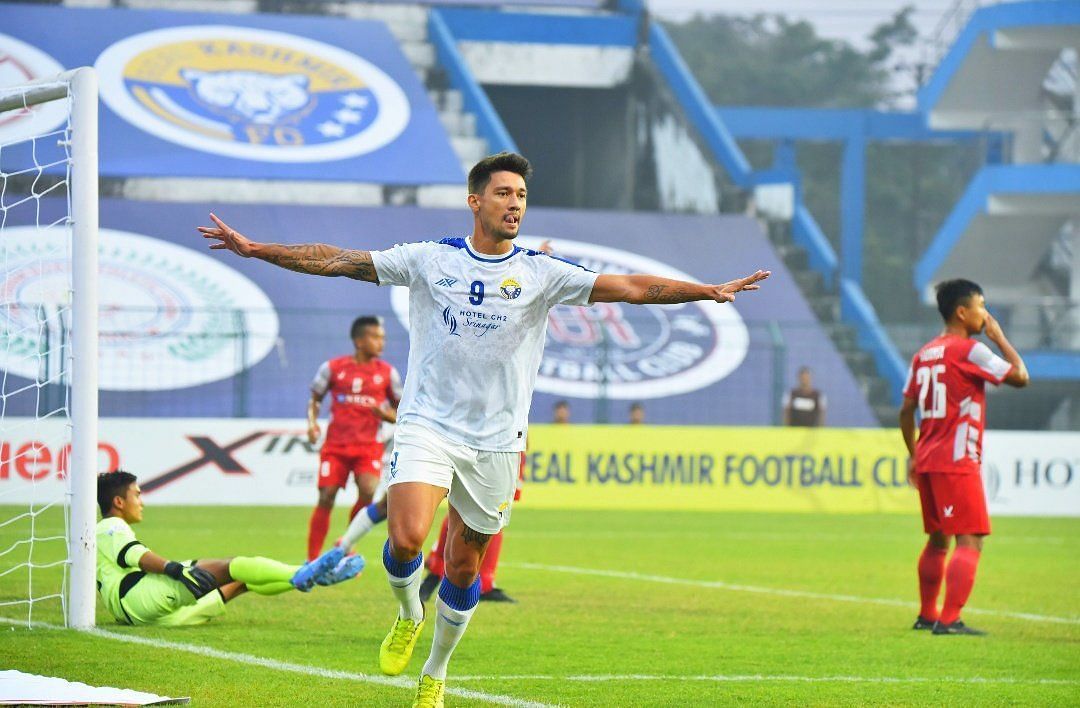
pixel 481 484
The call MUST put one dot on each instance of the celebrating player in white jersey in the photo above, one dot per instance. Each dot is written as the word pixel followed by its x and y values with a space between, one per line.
pixel 478 309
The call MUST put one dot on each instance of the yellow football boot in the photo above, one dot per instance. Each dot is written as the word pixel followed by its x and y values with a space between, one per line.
pixel 397 648
pixel 429 693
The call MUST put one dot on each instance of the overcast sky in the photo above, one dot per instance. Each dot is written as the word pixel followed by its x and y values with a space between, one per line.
pixel 852 20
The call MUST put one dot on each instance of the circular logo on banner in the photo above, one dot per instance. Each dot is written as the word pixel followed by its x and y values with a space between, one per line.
pixel 251 93
pixel 169 317
pixel 22 63
pixel 629 351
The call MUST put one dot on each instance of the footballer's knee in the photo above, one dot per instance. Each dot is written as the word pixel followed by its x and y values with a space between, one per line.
pixel 969 541
pixel 939 540
pixel 327 496
pixel 218 568
pixel 462 569
pixel 366 485
pixel 406 541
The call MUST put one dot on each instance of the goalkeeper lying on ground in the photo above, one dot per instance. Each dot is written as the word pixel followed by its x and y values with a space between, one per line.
pixel 140 587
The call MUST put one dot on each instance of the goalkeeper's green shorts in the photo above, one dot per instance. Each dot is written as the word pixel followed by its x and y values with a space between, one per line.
pixel 160 600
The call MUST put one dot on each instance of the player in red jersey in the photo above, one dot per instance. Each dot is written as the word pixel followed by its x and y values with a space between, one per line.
pixel 947 385
pixel 364 391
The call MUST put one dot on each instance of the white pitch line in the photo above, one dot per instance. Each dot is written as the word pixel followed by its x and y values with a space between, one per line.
pixel 719 585
pixel 262 662
pixel 754 678
pixel 771 536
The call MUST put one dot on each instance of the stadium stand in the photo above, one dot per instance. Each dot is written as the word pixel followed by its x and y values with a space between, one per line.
pixel 571 90
pixel 598 96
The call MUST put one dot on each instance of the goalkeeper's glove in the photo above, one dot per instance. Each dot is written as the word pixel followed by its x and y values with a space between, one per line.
pixel 198 581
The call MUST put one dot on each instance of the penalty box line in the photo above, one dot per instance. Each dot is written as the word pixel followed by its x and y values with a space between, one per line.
pixel 275 665
pixel 761 590
pixel 510 701
pixel 779 678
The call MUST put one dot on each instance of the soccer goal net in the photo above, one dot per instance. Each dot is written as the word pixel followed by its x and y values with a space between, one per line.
pixel 48 349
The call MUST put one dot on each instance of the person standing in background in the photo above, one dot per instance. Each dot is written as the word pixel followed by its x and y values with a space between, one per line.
pixel 804 405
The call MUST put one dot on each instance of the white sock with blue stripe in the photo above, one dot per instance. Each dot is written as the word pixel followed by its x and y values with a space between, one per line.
pixel 454 608
pixel 404 578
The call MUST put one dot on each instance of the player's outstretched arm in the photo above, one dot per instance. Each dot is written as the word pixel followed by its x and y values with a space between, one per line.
pixel 654 290
pixel 1018 377
pixel 311 258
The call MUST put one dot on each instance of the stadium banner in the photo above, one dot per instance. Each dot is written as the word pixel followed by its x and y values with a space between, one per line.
pixel 200 461
pixel 188 332
pixel 253 96
pixel 197 461
pixel 822 470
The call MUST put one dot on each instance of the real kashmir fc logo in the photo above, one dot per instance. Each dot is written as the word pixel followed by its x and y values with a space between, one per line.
pixel 645 352
pixel 510 289
pixel 168 315
pixel 252 93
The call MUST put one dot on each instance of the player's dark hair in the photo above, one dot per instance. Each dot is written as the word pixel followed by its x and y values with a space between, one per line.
pixel 636 407
pixel 951 294
pixel 804 370
pixel 357 329
pixel 480 174
pixel 111 485
pixel 561 404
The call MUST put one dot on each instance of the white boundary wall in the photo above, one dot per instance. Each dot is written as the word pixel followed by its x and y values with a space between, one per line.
pixel 268 462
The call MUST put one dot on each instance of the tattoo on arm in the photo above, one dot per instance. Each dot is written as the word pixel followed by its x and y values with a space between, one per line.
pixel 662 294
pixel 322 259
pixel 475 538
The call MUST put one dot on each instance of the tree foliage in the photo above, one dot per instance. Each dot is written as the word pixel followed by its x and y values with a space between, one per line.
pixel 766 60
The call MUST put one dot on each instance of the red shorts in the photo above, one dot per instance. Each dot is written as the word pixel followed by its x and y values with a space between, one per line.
pixel 953 503
pixel 336 465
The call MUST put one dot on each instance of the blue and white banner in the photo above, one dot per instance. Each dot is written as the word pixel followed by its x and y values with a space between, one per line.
pixel 251 96
pixel 192 332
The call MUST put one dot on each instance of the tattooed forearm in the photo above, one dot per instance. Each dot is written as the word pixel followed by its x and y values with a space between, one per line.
pixel 322 259
pixel 475 538
pixel 664 295
pixel 354 264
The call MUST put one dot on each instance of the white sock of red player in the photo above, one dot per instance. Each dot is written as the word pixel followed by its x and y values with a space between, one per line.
pixel 363 522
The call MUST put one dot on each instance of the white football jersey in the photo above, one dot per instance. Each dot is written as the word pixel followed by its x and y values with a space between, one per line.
pixel 478 326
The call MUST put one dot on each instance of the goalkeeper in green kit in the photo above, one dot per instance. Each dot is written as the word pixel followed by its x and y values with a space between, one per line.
pixel 140 587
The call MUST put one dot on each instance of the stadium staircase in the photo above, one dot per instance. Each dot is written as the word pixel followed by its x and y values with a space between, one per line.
pixel 842 308
pixel 826 303
pixel 1012 67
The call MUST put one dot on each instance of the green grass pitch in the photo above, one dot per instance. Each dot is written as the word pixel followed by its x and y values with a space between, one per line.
pixel 732 608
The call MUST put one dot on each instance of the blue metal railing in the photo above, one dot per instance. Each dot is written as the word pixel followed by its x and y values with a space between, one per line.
pixel 806 233
pixel 697 107
pixel 855 308
pixel 488 123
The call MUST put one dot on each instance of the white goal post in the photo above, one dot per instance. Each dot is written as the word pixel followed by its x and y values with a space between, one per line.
pixel 79 140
